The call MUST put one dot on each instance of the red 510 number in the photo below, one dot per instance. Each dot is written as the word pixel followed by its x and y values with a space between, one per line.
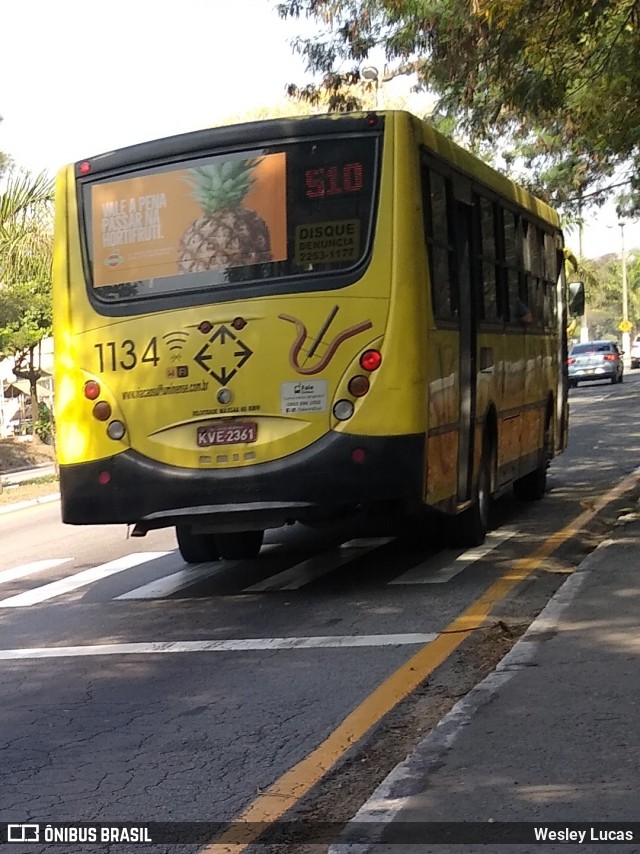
pixel 333 181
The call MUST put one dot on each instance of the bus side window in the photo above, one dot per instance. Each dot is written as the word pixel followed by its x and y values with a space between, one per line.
pixel 513 263
pixel 550 273
pixel 490 271
pixel 437 210
pixel 532 290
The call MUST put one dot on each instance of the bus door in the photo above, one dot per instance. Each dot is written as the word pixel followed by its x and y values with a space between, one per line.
pixel 463 236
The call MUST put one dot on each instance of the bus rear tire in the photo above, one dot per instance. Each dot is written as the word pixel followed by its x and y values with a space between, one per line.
pixel 236 545
pixel 470 527
pixel 196 548
pixel 533 486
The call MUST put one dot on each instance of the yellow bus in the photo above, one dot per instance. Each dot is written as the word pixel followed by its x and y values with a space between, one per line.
pixel 288 320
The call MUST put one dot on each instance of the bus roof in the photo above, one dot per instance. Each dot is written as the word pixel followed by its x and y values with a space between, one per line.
pixel 260 132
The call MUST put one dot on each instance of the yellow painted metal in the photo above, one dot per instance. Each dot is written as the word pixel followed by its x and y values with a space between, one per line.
pixel 416 390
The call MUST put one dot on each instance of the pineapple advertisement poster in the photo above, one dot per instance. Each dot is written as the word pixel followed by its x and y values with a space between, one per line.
pixel 223 212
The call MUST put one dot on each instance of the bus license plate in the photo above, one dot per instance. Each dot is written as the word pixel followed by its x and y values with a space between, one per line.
pixel 229 434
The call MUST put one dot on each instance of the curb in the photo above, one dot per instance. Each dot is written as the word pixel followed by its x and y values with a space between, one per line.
pixel 32 502
pixel 27 468
pixel 408 777
pixel 8 478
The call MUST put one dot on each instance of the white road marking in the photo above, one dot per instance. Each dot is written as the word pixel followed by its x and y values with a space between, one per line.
pixel 80 579
pixel 315 567
pixel 163 587
pixel 237 645
pixel 366 542
pixel 31 568
pixel 442 568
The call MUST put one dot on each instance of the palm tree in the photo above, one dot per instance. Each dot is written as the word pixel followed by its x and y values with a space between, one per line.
pixel 26 243
pixel 25 228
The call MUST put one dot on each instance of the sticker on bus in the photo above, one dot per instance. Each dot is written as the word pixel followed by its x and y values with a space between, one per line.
pixel 324 242
pixel 303 397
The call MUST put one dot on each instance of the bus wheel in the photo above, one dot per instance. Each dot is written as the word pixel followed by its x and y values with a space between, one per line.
pixel 239 544
pixel 470 527
pixel 533 486
pixel 196 548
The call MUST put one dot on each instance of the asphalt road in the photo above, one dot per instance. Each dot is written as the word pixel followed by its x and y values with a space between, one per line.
pixel 137 689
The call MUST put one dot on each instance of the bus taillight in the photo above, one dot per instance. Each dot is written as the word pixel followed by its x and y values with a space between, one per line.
pixel 102 410
pixel 358 385
pixel 371 360
pixel 343 410
pixel 116 430
pixel 91 390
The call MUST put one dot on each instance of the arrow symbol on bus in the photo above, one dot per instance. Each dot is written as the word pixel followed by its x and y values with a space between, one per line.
pixel 205 355
pixel 244 352
pixel 202 357
pixel 223 377
pixel 222 333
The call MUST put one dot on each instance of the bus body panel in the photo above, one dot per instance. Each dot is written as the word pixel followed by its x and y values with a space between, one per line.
pixel 274 366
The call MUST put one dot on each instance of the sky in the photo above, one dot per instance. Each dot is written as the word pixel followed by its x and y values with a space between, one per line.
pixel 79 79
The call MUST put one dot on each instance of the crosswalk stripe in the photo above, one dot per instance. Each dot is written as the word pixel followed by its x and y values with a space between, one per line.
pixel 79 579
pixel 31 568
pixel 232 645
pixel 162 587
pixel 317 566
pixel 442 567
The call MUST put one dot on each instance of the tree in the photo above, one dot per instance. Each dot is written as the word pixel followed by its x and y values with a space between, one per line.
pixel 25 274
pixel 605 295
pixel 558 80
pixel 5 160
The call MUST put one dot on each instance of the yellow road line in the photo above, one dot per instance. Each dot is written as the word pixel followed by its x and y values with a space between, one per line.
pixel 282 795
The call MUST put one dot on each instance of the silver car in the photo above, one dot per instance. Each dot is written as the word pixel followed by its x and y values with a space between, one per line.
pixel 595 360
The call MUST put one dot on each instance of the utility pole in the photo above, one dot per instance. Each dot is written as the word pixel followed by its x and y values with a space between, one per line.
pixel 626 339
pixel 584 328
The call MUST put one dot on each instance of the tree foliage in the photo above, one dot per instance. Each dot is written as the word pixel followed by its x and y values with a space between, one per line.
pixel 25 273
pixel 604 296
pixel 559 80
pixel 5 160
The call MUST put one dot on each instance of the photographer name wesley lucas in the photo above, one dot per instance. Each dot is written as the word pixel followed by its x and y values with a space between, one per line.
pixel 590 834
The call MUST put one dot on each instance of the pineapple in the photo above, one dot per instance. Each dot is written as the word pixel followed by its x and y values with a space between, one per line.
pixel 227 234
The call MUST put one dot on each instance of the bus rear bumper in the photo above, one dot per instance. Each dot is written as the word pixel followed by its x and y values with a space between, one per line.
pixel 133 489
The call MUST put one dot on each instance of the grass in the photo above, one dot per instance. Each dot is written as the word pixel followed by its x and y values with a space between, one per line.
pixel 18 454
pixel 40 488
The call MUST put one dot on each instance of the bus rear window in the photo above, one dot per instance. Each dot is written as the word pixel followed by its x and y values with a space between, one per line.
pixel 260 217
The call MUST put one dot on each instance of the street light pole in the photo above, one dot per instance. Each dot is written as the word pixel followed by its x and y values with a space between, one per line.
pixel 370 73
pixel 584 326
pixel 626 340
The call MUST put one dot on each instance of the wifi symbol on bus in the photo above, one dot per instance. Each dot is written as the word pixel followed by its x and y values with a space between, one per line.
pixel 175 340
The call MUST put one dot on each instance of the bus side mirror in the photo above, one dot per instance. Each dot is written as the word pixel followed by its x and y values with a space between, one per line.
pixel 576 299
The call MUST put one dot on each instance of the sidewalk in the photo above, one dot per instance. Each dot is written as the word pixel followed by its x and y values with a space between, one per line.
pixel 23 477
pixel 25 474
pixel 552 735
